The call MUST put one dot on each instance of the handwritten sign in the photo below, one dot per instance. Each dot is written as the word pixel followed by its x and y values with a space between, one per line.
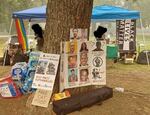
pixel 41 98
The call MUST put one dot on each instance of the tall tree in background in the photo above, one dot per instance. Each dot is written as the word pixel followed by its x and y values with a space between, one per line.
pixel 61 16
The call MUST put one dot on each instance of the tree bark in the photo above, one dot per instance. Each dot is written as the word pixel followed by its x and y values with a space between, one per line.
pixel 61 16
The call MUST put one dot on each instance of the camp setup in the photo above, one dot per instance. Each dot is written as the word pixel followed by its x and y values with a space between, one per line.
pixel 125 21
pixel 125 29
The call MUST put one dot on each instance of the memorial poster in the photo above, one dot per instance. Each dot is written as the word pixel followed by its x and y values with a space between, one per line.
pixel 85 67
pixel 46 71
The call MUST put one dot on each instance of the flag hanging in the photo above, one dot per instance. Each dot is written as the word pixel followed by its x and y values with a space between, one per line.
pixel 22 38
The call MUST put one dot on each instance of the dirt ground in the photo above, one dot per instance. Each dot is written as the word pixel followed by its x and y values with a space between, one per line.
pixel 135 100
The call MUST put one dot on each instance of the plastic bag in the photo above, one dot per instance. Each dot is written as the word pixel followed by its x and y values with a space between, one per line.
pixel 18 71
pixel 33 59
pixel 8 88
pixel 26 88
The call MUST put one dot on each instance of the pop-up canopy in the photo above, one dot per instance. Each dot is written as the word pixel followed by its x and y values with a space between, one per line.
pixel 104 12
pixel 37 12
pixel 114 13
pixel 99 12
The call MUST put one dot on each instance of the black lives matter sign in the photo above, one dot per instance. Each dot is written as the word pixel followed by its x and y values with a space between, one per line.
pixel 126 35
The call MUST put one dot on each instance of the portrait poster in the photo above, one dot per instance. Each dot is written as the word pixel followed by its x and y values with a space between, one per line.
pixel 126 35
pixel 73 77
pixel 84 76
pixel 46 71
pixel 71 70
pixel 78 34
pixel 98 68
pixel 41 98
pixel 73 47
pixel 98 62
pixel 64 47
pixel 69 47
pixel 78 69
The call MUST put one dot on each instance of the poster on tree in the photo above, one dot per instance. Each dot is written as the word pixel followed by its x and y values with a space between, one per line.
pixel 78 34
pixel 85 66
pixel 126 35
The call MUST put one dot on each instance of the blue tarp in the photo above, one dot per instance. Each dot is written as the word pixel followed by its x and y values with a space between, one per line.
pixel 99 12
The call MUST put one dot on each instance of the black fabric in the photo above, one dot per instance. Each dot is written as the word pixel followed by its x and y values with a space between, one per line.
pixel 6 56
pixel 99 32
pixel 142 58
pixel 77 102
pixel 37 30
pixel 20 58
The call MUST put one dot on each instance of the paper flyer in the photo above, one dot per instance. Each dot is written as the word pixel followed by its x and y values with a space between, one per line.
pixel 41 98
pixel 46 71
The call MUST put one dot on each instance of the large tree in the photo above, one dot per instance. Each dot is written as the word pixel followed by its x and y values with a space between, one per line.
pixel 61 16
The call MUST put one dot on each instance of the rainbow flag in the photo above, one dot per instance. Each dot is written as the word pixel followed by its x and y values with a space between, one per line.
pixel 22 38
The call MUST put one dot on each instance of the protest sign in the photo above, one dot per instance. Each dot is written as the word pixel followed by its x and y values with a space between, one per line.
pixel 46 71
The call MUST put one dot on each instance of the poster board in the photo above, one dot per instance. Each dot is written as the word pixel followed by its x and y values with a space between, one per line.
pixel 85 65
pixel 46 71
pixel 44 78
pixel 126 35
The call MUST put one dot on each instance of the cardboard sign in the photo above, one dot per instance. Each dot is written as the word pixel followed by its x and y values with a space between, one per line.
pixel 41 98
pixel 46 71
pixel 86 66
pixel 126 35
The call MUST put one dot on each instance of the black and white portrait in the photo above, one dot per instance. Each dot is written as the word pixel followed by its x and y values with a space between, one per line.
pixel 41 67
pixel 51 69
pixel 97 61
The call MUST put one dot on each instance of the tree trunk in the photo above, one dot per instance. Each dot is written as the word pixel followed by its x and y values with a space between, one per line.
pixel 61 16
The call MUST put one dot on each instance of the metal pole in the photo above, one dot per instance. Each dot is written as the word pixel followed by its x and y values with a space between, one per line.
pixel 29 26
pixel 42 2
pixel 10 26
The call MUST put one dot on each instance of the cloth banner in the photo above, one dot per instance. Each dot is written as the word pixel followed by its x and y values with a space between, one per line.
pixel 126 35
pixel 22 38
